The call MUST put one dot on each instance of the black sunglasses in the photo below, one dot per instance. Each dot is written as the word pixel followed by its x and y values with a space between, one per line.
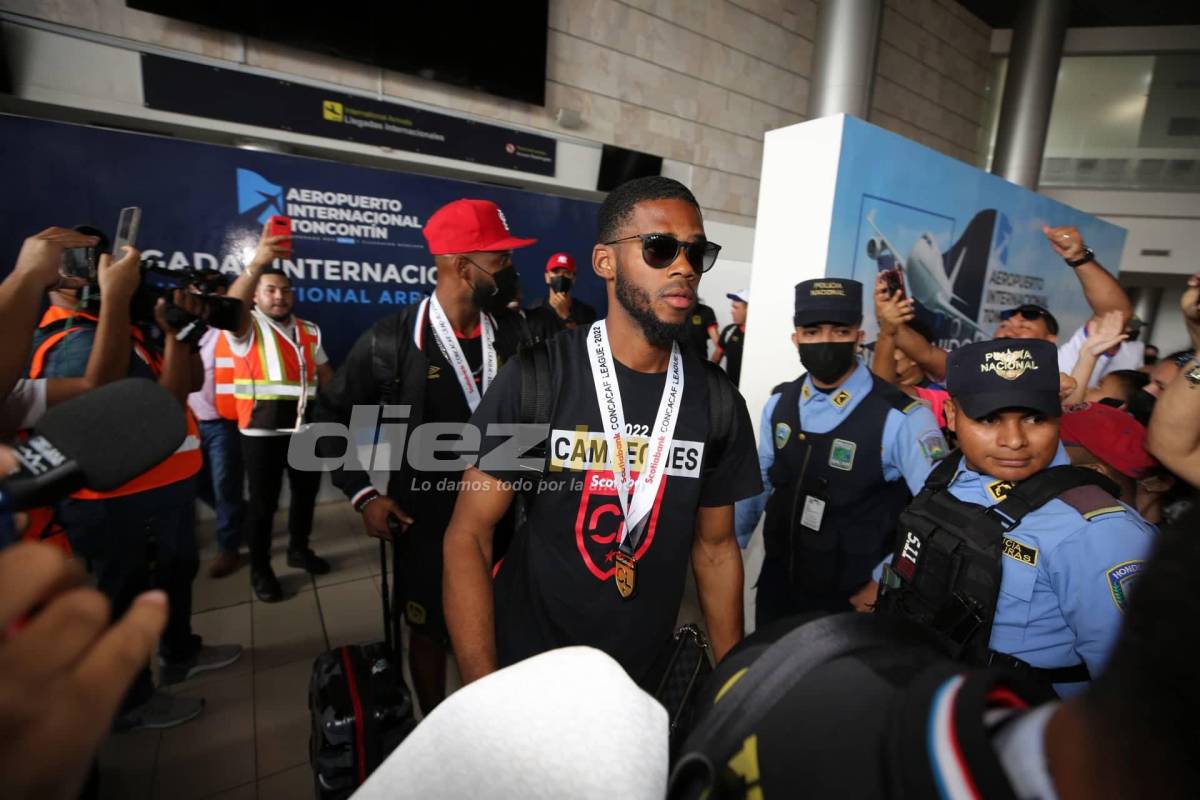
pixel 660 250
pixel 1031 313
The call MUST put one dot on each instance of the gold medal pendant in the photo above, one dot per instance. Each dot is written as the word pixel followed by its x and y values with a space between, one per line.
pixel 625 575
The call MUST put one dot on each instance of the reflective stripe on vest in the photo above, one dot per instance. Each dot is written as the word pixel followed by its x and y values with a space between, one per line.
pixel 275 370
pixel 223 375
pixel 183 463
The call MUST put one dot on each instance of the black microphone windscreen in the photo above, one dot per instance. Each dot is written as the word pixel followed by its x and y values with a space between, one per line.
pixel 116 432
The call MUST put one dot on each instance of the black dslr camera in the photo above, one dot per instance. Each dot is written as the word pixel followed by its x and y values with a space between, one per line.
pixel 80 265
pixel 219 311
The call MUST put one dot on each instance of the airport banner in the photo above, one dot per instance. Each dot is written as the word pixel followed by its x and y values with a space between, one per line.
pixel 842 198
pixel 358 250
pixel 969 244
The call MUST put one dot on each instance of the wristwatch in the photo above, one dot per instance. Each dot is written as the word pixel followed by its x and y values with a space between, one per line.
pixel 1087 256
pixel 1193 374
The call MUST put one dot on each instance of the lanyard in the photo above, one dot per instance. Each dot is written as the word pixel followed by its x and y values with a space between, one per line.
pixel 448 344
pixel 636 497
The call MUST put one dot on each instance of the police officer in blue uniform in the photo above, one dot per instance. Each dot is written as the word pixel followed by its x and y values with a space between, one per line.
pixel 1009 554
pixel 840 451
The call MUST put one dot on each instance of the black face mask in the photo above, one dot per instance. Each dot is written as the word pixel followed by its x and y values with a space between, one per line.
pixel 497 297
pixel 560 283
pixel 827 361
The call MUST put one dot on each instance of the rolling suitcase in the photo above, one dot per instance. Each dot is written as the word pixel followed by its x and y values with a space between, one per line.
pixel 360 707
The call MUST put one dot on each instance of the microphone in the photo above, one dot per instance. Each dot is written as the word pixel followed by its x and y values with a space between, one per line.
pixel 100 440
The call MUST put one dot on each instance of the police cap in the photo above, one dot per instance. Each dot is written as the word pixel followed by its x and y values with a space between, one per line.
pixel 985 377
pixel 835 300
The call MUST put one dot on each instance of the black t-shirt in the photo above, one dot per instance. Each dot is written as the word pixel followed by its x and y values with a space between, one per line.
pixel 732 340
pixel 695 331
pixel 545 322
pixel 556 588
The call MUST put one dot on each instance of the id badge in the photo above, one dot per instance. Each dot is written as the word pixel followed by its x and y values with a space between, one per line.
pixel 814 512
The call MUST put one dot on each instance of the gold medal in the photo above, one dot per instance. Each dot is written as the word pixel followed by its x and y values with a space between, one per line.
pixel 625 575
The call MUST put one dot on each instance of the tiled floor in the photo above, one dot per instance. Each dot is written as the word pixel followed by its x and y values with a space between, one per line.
pixel 251 743
pixel 252 740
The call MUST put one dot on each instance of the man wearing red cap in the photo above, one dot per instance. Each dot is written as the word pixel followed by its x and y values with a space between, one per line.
pixel 1108 440
pixel 559 311
pixel 437 358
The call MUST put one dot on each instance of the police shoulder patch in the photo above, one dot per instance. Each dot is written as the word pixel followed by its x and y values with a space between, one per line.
pixel 1019 551
pixel 914 404
pixel 933 445
pixel 783 432
pixel 1120 579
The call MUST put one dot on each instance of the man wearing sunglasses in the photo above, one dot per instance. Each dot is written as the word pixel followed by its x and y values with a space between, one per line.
pixel 1030 321
pixel 638 478
pixel 840 450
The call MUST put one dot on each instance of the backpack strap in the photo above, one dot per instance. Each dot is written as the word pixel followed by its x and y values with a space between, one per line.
pixel 721 409
pixel 1048 484
pixel 943 472
pixel 537 391
pixel 389 348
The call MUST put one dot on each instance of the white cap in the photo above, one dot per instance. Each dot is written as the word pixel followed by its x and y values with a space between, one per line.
pixel 565 723
pixel 743 296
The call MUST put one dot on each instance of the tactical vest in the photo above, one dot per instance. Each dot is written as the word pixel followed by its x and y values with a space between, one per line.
pixel 844 468
pixel 946 569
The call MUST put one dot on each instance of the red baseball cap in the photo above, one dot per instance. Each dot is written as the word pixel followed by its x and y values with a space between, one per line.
pixel 561 261
pixel 470 226
pixel 1108 433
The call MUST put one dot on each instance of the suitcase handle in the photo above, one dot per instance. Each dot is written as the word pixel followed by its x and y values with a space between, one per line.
pixel 391 599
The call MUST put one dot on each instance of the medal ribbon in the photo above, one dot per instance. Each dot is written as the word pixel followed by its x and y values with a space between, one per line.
pixel 636 497
pixel 448 343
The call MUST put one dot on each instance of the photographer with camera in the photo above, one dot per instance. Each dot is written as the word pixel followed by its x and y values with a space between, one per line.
pixel 140 535
pixel 278 365
pixel 23 401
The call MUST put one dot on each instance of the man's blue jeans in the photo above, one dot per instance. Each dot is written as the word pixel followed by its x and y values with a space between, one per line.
pixel 219 483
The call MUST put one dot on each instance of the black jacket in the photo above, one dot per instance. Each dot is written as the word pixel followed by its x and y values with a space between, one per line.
pixel 385 367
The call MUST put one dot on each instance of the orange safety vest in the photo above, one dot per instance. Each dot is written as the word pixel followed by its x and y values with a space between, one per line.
pixel 183 463
pixel 223 376
pixel 44 527
pixel 277 379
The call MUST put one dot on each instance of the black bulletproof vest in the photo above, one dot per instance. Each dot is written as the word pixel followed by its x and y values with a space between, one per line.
pixel 844 468
pixel 945 572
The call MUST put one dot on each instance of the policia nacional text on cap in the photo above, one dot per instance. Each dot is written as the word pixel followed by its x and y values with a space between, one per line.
pixel 841 451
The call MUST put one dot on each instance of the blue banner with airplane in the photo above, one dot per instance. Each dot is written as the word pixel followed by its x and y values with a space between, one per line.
pixel 968 244
pixel 358 251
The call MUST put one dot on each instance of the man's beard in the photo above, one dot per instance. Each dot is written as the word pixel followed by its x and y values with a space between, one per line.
pixel 636 301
